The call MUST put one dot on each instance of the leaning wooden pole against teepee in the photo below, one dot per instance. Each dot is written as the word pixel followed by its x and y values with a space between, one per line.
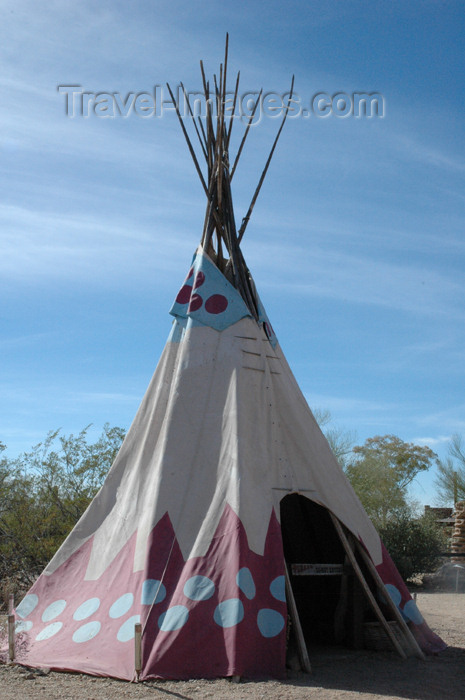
pixel 411 642
pixel 365 587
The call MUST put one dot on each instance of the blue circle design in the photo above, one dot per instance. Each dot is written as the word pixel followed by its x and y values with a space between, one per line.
pixel 86 609
pixel 411 611
pixel 244 580
pixel 126 631
pixel 121 606
pixel 229 613
pixel 278 588
pixel 53 610
pixel 173 619
pixel 49 631
pixel 394 594
pixel 153 592
pixel 27 605
pixel 270 623
pixel 199 588
pixel 87 632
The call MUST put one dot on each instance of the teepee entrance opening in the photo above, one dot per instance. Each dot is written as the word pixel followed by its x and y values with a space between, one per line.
pixel 319 574
pixel 333 586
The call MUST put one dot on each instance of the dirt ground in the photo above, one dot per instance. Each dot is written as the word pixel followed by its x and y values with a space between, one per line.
pixel 337 674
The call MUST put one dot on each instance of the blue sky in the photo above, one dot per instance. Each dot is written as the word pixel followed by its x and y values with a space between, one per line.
pixel 356 243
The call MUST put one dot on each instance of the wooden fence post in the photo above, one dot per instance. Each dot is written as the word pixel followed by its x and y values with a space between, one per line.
pixel 138 649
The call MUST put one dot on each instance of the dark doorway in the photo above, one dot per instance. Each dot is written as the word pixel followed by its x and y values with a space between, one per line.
pixel 315 559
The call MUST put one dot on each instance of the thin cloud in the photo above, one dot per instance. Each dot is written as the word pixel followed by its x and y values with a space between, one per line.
pixel 428 155
pixel 432 441
pixel 23 341
pixel 331 274
pixel 45 244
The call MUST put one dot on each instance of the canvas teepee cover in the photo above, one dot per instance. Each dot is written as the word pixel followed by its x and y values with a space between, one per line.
pixel 185 536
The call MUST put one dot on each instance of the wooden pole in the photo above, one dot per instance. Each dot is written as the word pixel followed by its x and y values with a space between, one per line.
pixel 412 642
pixel 188 141
pixel 301 645
pixel 246 218
pixel 11 628
pixel 238 155
pixel 209 125
pixel 366 589
pixel 186 97
pixel 228 138
pixel 11 638
pixel 138 649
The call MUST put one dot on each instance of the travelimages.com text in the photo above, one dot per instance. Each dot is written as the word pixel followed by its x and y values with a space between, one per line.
pixel 79 102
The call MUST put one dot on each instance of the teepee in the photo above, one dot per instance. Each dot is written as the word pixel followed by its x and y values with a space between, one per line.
pixel 225 525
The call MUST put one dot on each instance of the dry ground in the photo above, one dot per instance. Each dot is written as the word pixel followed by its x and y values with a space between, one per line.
pixel 337 674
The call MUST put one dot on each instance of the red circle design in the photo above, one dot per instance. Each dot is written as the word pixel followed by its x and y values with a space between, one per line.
pixel 199 279
pixel 216 304
pixel 184 294
pixel 195 303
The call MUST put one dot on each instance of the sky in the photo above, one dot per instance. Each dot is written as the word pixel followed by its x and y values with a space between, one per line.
pixel 356 243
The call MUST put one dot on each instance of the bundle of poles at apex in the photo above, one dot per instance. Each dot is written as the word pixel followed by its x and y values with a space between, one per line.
pixel 221 239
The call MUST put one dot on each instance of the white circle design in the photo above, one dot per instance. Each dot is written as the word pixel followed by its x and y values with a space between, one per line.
pixel 126 631
pixel 86 609
pixel 244 580
pixel 173 619
pixel 394 594
pixel 49 631
pixel 270 622
pixel 229 613
pixel 411 611
pixel 199 588
pixel 153 591
pixel 53 610
pixel 278 588
pixel 121 606
pixel 27 605
pixel 87 632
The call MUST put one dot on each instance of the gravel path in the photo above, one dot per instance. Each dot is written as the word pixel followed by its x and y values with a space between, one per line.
pixel 338 674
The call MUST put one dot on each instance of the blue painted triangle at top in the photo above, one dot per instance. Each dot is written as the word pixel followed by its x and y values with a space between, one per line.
pixel 207 297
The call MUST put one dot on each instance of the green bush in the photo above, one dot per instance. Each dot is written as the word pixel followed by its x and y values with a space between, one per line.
pixel 415 544
pixel 43 493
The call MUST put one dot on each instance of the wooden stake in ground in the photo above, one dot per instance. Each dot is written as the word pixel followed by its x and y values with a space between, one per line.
pixel 11 628
pixel 137 649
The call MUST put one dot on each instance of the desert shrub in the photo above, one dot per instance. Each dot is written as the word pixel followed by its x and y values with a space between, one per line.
pixel 43 493
pixel 415 544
